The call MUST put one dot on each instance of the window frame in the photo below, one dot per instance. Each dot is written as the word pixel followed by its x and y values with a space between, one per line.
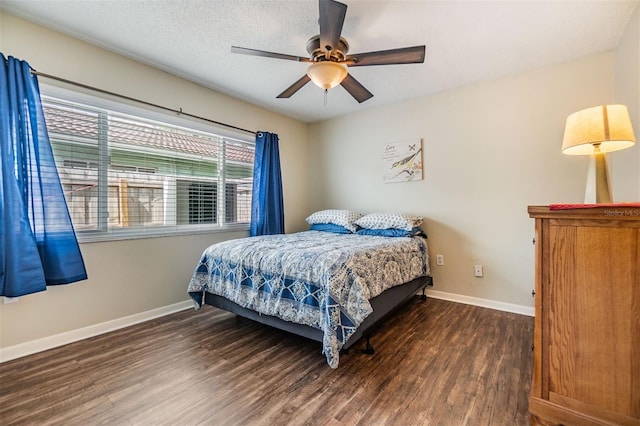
pixel 125 106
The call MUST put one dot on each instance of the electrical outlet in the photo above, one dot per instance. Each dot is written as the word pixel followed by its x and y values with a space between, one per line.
pixel 439 259
pixel 477 270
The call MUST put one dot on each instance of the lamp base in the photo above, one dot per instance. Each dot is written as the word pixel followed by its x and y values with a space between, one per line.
pixel 598 189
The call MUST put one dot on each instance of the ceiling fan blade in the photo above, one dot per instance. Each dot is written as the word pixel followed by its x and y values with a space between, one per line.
pixel 332 15
pixel 355 89
pixel 405 55
pixel 289 91
pixel 256 52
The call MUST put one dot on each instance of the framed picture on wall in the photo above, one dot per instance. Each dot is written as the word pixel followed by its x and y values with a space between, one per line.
pixel 402 161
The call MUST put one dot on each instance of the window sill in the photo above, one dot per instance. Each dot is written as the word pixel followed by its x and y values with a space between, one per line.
pixel 118 235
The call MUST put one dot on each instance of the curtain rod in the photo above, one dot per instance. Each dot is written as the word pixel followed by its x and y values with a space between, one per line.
pixel 106 92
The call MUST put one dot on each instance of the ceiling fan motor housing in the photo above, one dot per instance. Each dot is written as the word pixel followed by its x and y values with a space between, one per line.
pixel 318 53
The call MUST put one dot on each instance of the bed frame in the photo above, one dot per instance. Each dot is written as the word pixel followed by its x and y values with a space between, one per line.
pixel 383 305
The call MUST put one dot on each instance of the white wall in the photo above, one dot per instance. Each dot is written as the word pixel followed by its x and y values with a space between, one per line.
pixel 490 150
pixel 131 277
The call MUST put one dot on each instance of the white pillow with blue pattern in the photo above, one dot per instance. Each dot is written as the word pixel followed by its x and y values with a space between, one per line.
pixel 383 220
pixel 344 218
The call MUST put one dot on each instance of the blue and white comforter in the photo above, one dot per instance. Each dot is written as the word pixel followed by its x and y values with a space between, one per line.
pixel 320 279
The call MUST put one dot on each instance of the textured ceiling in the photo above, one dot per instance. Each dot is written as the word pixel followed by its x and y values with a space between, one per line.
pixel 467 41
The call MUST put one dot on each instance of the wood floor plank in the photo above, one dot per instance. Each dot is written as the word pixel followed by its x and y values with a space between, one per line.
pixel 435 363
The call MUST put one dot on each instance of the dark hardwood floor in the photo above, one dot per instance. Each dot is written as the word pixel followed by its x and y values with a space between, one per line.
pixel 436 363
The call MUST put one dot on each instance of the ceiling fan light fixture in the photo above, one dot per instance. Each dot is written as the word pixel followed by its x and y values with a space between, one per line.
pixel 327 74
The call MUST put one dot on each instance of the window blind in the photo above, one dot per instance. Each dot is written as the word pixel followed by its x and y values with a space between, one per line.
pixel 126 176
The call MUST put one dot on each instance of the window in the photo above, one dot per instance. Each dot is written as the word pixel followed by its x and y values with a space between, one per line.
pixel 125 176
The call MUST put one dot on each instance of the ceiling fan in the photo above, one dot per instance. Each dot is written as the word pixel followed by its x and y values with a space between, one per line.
pixel 329 59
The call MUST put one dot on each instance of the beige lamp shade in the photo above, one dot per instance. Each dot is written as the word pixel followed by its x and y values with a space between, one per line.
pixel 603 128
pixel 327 74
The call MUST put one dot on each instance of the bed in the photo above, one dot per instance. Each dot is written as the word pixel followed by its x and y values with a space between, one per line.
pixel 329 286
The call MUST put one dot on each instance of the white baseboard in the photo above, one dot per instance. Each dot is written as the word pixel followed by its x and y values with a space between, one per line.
pixel 50 342
pixel 485 303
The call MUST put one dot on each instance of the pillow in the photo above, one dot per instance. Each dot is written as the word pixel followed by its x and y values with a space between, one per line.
pixel 329 227
pixel 389 220
pixel 391 232
pixel 344 218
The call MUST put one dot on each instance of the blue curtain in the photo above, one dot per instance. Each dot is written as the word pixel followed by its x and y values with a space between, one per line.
pixel 267 210
pixel 38 246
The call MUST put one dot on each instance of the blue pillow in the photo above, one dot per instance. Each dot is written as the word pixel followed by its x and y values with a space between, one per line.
pixel 391 232
pixel 329 227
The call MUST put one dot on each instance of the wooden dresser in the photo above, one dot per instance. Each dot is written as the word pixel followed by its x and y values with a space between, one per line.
pixel 587 326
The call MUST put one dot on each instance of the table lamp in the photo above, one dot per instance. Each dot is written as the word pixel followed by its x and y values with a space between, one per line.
pixel 594 132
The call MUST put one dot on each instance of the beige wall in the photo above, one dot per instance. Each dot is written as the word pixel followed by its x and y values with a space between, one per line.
pixel 490 150
pixel 626 164
pixel 130 277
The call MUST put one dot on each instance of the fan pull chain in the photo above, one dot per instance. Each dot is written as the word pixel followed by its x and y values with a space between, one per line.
pixel 326 91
